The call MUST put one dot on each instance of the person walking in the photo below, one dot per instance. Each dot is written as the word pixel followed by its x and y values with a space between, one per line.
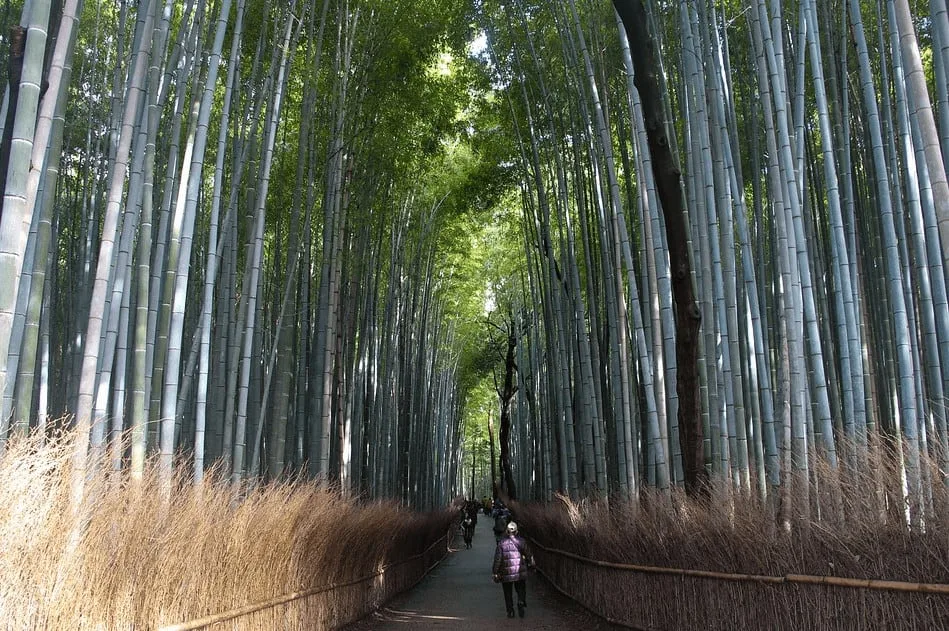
pixel 512 560
pixel 501 516
pixel 468 527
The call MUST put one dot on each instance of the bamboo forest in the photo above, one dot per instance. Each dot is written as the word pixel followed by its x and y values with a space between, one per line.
pixel 287 285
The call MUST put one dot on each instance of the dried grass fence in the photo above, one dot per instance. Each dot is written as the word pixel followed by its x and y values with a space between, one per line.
pixel 137 556
pixel 654 599
pixel 845 558
pixel 353 599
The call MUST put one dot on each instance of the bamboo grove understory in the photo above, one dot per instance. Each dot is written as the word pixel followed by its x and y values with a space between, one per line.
pixel 708 238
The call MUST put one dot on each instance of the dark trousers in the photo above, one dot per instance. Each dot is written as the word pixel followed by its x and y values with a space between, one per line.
pixel 521 587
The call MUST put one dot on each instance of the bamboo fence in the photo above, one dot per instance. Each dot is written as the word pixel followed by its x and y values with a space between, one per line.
pixel 361 596
pixel 664 598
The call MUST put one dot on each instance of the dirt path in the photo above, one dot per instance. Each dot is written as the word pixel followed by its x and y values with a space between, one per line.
pixel 459 594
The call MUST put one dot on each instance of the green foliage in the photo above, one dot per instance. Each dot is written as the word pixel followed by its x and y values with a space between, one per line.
pixel 430 151
pixel 481 401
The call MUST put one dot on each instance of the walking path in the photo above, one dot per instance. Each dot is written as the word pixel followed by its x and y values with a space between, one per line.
pixel 459 594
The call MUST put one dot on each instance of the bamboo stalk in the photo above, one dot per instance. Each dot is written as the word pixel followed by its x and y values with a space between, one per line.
pixel 869 583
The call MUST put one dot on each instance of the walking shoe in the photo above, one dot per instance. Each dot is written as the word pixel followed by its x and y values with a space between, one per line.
pixel 510 614
pixel 520 609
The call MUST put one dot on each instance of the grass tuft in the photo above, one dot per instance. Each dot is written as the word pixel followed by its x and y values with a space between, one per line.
pixel 128 559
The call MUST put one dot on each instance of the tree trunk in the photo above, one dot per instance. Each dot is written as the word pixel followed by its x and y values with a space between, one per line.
pixel 14 71
pixel 494 465
pixel 645 56
pixel 16 216
pixel 505 394
pixel 103 274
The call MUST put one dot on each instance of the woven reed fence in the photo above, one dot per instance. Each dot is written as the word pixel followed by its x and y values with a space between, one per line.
pixel 660 599
pixel 332 605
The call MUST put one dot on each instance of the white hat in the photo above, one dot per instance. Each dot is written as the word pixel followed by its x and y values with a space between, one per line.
pixel 512 528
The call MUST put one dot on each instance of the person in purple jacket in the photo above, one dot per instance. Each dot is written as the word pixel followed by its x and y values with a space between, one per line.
pixel 512 560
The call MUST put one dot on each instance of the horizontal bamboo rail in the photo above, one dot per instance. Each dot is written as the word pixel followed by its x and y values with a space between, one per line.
pixel 836 581
pixel 207 621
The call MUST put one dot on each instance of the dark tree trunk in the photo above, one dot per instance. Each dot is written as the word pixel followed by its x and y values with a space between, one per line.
pixel 473 495
pixel 642 43
pixel 505 394
pixel 494 477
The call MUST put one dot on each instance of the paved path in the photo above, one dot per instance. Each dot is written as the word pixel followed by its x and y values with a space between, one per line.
pixel 459 594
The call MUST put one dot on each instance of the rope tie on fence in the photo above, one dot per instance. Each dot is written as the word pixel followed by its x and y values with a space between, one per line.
pixel 835 581
pixel 207 621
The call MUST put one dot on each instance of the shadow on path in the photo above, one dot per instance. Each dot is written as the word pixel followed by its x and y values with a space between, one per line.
pixel 459 594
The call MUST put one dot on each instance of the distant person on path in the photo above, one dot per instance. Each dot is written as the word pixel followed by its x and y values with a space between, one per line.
pixel 468 527
pixel 501 516
pixel 512 560
pixel 474 507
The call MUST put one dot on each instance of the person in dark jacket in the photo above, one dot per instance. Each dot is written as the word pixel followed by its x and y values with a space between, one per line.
pixel 468 527
pixel 512 560
pixel 501 516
